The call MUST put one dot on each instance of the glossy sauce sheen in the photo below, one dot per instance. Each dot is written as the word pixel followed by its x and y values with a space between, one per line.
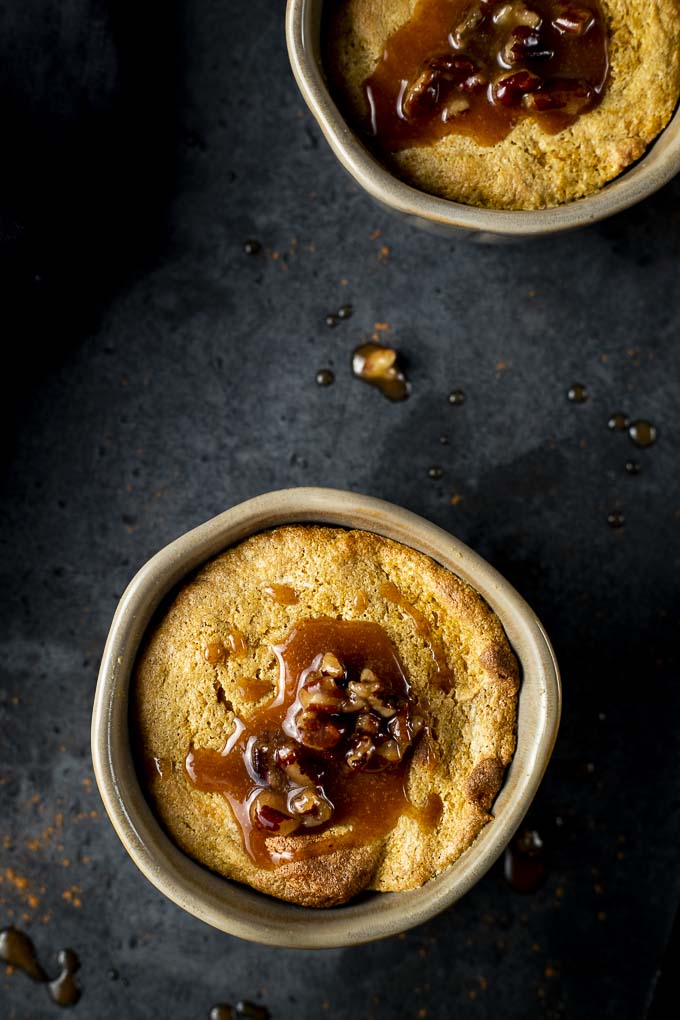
pixel 366 804
pixel 429 34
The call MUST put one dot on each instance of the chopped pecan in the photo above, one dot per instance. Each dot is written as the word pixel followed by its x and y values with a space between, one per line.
pixel 510 89
pixel 360 753
pixel 567 95
pixel 268 812
pixel 525 43
pixel 311 804
pixel 512 15
pixel 331 666
pixel 437 80
pixel 322 694
pixel 572 19
pixel 317 732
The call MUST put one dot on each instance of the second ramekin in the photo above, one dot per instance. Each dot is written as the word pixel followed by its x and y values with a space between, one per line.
pixel 660 163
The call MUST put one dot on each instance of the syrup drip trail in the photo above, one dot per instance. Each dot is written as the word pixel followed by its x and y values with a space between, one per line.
pixel 17 950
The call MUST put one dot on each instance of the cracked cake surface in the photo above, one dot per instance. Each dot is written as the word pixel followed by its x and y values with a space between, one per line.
pixel 529 168
pixel 187 696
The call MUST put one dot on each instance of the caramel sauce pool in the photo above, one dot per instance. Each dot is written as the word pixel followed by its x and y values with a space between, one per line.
pixel 428 34
pixel 366 804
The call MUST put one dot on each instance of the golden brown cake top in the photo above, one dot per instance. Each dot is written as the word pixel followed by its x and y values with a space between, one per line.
pixel 483 134
pixel 212 667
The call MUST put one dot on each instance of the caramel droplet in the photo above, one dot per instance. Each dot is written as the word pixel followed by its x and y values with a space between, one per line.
pixel 577 394
pixel 214 652
pixel 236 643
pixel 282 593
pixel 643 433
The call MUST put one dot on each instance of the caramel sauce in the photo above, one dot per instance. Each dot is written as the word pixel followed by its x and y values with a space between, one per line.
pixel 411 104
pixel 431 812
pixel 360 601
pixel 17 950
pixel 236 643
pixel 366 804
pixel 379 366
pixel 214 652
pixel 389 591
pixel 282 593
pixel 63 990
pixel 254 688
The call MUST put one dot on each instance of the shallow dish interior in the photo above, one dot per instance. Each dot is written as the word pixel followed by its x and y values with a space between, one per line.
pixel 660 163
pixel 244 912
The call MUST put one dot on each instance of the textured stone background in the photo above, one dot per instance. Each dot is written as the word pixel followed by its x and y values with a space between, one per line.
pixel 160 375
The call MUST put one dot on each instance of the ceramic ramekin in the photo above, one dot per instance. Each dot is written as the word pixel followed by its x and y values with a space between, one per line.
pixel 660 163
pixel 234 908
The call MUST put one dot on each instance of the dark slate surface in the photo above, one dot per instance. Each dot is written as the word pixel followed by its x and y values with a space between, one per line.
pixel 161 375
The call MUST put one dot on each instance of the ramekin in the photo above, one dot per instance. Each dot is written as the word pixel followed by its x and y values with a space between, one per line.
pixel 241 911
pixel 660 163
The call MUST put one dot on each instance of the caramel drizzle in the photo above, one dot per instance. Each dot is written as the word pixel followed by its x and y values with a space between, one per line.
pixel 389 591
pixel 282 593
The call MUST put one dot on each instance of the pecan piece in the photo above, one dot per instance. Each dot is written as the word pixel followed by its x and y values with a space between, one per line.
pixel 367 723
pixel 258 760
pixel 360 753
pixel 389 750
pixel 525 43
pixel 512 15
pixel 572 19
pixel 312 806
pixel 268 812
pixel 566 95
pixel 288 757
pixel 510 89
pixel 466 28
pixel 438 78
pixel 455 106
pixel 322 694
pixel 316 732
pixel 331 666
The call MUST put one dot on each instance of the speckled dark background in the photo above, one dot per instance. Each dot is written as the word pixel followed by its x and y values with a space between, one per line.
pixel 160 375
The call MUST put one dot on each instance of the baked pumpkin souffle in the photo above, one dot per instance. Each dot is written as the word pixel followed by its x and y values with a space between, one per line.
pixel 505 104
pixel 322 711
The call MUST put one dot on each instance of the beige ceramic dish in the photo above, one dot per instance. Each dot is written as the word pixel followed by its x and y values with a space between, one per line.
pixel 660 163
pixel 234 908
